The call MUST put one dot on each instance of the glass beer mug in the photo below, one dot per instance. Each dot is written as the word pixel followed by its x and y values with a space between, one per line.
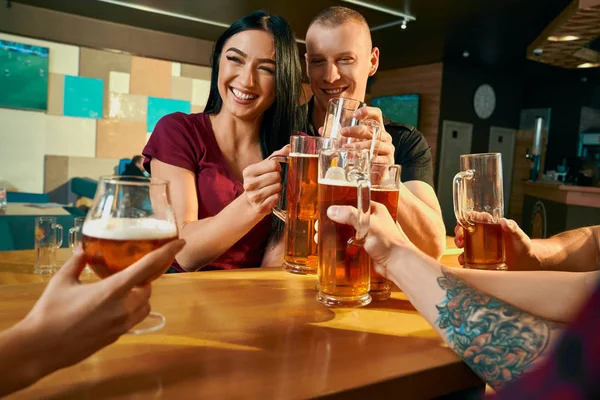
pixel 301 211
pixel 479 206
pixel 385 189
pixel 340 113
pixel 343 274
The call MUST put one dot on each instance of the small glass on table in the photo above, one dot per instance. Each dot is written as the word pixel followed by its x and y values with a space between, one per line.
pixel 129 218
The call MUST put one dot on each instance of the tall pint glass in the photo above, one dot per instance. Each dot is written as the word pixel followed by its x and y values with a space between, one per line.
pixel 344 275
pixel 385 189
pixel 479 206
pixel 301 211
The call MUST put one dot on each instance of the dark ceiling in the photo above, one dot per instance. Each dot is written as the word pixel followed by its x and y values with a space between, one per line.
pixel 496 33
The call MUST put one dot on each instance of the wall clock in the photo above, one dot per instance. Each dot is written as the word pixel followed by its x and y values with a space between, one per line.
pixel 484 101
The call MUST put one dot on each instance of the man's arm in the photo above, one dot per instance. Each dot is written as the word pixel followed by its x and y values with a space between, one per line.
pixel 420 217
pixel 577 250
pixel 552 295
pixel 498 341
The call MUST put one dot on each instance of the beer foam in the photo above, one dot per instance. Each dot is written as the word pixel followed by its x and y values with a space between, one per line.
pixel 129 229
pixel 337 182
pixel 304 155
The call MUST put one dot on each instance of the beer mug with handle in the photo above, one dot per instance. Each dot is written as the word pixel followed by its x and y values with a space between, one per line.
pixel 340 114
pixel 301 211
pixel 479 206
pixel 48 239
pixel 344 275
pixel 75 239
pixel 385 189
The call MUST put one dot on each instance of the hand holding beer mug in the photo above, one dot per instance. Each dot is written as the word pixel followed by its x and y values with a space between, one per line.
pixel 340 114
pixel 344 276
pixel 130 217
pixel 301 215
pixel 479 207
pixel 385 189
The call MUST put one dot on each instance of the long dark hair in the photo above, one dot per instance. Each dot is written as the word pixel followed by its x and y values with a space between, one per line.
pixel 284 117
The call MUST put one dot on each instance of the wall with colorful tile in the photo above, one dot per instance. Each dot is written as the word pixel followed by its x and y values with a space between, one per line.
pixel 100 104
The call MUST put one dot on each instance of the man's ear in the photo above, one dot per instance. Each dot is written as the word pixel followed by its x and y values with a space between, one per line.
pixel 374 61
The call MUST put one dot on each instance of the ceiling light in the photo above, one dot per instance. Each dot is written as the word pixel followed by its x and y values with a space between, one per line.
pixel 403 26
pixel 588 65
pixel 562 38
pixel 381 9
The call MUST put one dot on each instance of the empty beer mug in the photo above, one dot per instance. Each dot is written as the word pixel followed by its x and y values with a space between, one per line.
pixel 385 189
pixel 301 211
pixel 343 273
pixel 48 238
pixel 479 206
pixel 340 114
pixel 75 239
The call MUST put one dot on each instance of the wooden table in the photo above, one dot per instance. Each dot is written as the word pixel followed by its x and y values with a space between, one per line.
pixel 257 334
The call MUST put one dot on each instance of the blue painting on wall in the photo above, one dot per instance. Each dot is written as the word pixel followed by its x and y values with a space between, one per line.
pixel 401 108
pixel 23 76
pixel 83 97
pixel 159 107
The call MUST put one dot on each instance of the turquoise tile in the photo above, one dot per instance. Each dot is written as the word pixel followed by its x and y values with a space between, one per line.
pixel 158 108
pixel 83 97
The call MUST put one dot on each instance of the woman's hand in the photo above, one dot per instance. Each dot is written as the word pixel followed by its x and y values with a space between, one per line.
pixel 71 320
pixel 262 182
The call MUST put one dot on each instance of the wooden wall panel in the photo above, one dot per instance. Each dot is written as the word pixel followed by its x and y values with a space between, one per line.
pixel 425 80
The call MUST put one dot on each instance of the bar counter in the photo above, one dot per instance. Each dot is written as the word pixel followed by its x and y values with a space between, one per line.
pixel 553 207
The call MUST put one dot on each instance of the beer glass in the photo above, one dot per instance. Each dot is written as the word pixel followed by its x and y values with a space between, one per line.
pixel 129 218
pixel 48 238
pixel 301 212
pixel 479 206
pixel 343 273
pixel 385 189
pixel 75 239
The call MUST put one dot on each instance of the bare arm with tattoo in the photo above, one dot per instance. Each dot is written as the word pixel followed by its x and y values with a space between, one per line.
pixel 498 341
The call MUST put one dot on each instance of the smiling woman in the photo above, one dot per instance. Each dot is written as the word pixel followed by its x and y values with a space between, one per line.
pixel 223 186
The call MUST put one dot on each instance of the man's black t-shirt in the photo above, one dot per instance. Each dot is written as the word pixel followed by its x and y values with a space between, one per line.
pixel 412 151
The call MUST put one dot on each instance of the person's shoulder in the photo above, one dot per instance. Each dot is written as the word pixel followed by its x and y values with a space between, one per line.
pixel 400 131
pixel 182 119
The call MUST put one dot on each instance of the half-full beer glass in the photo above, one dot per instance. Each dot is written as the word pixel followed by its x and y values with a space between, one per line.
pixel 344 276
pixel 385 189
pixel 301 212
pixel 130 217
pixel 479 206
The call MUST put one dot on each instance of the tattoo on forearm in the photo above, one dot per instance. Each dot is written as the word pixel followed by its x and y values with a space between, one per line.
pixel 497 340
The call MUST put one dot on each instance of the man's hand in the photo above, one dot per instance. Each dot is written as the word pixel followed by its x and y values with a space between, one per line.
pixel 517 245
pixel 384 149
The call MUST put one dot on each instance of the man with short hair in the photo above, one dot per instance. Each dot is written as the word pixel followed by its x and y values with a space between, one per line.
pixel 340 58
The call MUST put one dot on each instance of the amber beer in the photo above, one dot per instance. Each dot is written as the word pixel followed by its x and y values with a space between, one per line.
pixel 484 246
pixel 479 206
pixel 302 186
pixel 389 197
pixel 113 245
pixel 343 267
